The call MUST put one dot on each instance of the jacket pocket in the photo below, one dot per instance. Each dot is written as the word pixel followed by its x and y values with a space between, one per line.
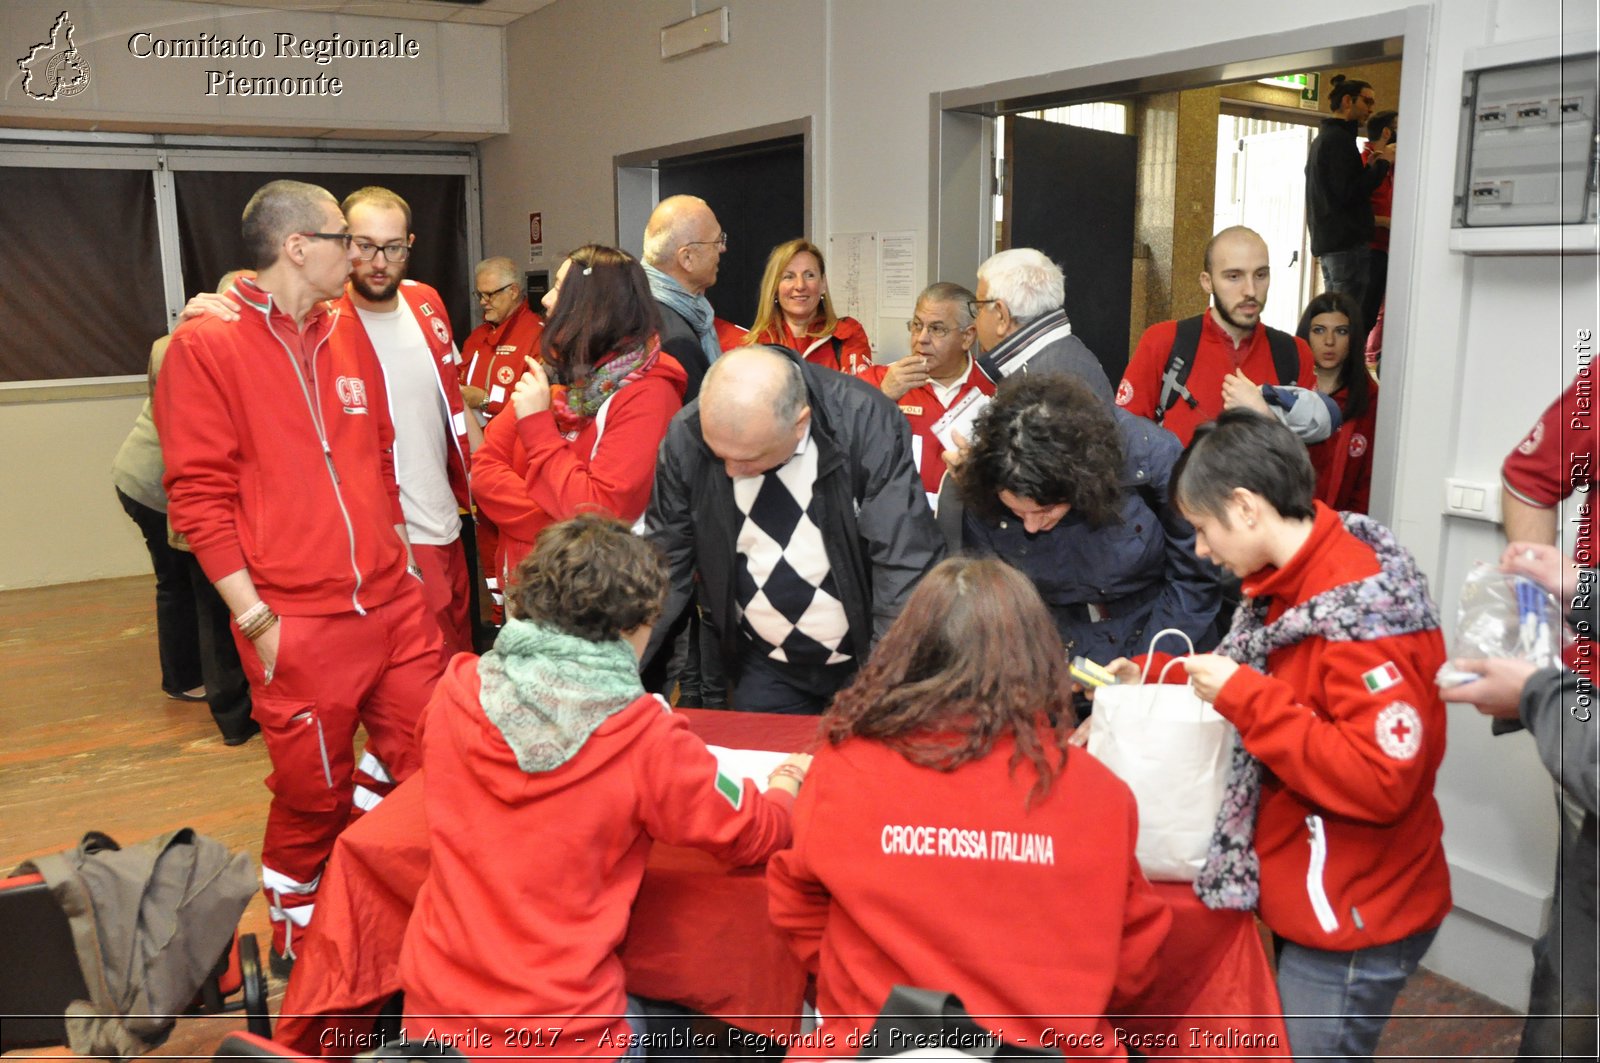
pixel 1315 873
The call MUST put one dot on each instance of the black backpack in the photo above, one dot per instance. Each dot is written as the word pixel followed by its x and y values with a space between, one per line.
pixel 1180 363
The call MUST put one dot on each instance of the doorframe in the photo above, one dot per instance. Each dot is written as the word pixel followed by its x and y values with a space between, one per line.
pixel 635 173
pixel 961 121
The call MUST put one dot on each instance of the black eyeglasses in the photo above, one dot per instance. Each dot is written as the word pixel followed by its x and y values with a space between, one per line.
pixel 484 297
pixel 977 304
pixel 343 238
pixel 395 252
pixel 721 242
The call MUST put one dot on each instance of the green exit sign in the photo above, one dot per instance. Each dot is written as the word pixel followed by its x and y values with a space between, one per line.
pixel 1307 85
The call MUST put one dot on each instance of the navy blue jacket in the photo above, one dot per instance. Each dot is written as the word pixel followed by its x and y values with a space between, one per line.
pixel 1141 568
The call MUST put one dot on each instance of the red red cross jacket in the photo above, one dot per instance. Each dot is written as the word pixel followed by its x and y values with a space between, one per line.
pixel 280 459
pixel 492 356
pixel 922 408
pixel 1351 735
pixel 428 308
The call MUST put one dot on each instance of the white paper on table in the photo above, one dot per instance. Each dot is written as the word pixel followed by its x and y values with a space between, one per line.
pixel 959 418
pixel 754 764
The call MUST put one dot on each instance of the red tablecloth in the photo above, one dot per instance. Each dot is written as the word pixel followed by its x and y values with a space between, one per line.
pixel 699 936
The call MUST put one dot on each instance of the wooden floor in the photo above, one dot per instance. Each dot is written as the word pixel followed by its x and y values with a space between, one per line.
pixel 89 742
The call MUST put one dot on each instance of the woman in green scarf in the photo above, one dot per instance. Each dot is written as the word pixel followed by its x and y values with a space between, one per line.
pixel 549 771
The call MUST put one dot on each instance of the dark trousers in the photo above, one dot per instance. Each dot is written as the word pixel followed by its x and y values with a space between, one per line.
pixel 766 685
pixel 192 636
pixel 177 626
pixel 1563 999
pixel 227 689
pixel 1377 283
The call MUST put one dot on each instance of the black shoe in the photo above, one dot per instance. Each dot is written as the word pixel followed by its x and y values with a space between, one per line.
pixel 280 964
pixel 184 695
pixel 249 731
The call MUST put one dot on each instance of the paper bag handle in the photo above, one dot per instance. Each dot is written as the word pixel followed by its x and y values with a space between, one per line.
pixel 1144 677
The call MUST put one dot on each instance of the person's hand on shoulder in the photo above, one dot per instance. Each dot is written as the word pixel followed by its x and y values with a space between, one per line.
pixel 219 306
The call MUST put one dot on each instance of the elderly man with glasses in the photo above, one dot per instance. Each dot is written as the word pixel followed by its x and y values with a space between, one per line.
pixel 939 386
pixel 683 246
pixel 493 352
pixel 1022 326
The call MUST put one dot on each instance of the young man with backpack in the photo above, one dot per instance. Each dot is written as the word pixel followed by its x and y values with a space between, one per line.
pixel 1184 373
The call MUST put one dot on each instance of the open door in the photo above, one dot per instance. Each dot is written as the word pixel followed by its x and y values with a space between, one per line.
pixel 757 192
pixel 1273 203
pixel 1069 192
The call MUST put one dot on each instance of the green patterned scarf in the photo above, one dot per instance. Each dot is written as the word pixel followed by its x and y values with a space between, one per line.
pixel 548 691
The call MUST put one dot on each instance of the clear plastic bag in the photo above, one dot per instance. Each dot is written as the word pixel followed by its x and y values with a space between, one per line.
pixel 1509 616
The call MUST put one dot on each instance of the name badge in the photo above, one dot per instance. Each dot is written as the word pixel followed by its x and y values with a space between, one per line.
pixel 914 411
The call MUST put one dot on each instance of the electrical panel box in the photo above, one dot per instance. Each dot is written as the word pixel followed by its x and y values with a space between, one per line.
pixel 1528 145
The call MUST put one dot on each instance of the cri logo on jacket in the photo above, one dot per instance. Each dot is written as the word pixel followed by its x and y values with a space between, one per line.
pixel 353 393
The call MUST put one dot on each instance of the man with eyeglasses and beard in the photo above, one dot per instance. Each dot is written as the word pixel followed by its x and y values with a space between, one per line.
pixel 279 454
pixel 937 376
pixel 1184 373
pixel 404 322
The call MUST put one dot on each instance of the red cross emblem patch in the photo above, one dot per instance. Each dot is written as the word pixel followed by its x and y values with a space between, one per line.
pixel 1399 731
pixel 505 374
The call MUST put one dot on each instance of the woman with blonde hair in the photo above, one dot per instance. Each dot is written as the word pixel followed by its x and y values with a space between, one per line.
pixel 795 312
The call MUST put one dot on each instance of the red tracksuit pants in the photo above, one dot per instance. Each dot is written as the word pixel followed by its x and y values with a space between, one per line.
pixel 332 673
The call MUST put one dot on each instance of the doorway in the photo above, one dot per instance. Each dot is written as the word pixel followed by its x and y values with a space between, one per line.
pixel 756 182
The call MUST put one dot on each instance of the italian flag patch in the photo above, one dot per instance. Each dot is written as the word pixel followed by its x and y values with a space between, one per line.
pixel 1381 678
pixel 732 789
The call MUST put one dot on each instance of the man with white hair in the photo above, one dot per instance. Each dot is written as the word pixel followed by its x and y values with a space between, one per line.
pixel 1022 327
pixel 790 490
pixel 491 356
pixel 683 246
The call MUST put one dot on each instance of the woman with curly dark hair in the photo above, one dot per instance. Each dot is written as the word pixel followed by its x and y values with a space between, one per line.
pixel 1073 493
pixel 549 770
pixel 946 810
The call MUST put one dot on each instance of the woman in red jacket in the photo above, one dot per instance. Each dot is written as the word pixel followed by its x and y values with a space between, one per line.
pixel 946 812
pixel 585 424
pixel 1333 328
pixel 1328 675
pixel 794 311
pixel 548 772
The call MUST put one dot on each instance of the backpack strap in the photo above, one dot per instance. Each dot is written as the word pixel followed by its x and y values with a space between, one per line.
pixel 1285 356
pixel 1180 363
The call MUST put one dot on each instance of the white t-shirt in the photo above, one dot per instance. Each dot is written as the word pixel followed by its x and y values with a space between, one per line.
pixel 422 439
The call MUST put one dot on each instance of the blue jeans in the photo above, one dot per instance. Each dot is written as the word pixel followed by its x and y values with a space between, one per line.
pixel 1336 1004
pixel 1348 272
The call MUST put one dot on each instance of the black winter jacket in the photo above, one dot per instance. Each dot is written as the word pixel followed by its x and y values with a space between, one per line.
pixel 1339 189
pixel 875 519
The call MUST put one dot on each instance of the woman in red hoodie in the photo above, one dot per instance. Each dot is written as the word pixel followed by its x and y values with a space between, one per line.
pixel 1329 822
pixel 548 772
pixel 1332 327
pixel 586 422
pixel 794 311
pixel 946 812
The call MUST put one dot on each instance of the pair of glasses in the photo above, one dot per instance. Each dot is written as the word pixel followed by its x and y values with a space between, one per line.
pixel 721 242
pixel 395 252
pixel 977 304
pixel 484 297
pixel 937 329
pixel 343 238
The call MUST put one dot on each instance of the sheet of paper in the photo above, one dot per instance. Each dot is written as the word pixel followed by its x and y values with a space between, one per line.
pixel 853 276
pixel 959 418
pixel 897 270
pixel 754 764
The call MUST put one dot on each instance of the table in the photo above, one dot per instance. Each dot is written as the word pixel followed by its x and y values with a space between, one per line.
pixel 699 936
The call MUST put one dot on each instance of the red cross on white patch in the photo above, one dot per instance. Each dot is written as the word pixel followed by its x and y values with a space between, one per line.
pixel 1399 731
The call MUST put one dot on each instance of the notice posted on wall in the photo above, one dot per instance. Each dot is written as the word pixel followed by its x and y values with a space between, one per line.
pixel 853 276
pixel 897 271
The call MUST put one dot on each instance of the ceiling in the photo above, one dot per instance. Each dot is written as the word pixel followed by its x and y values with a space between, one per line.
pixel 487 13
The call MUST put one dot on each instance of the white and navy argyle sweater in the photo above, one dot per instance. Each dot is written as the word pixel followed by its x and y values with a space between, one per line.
pixel 787 598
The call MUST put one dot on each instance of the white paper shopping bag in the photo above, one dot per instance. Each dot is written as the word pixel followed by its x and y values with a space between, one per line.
pixel 1173 750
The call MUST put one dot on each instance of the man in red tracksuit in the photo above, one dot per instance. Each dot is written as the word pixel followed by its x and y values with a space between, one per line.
pixel 405 325
pixel 492 360
pixel 280 473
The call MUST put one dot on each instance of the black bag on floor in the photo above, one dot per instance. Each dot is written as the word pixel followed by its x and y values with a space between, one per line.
pixel 926 1018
